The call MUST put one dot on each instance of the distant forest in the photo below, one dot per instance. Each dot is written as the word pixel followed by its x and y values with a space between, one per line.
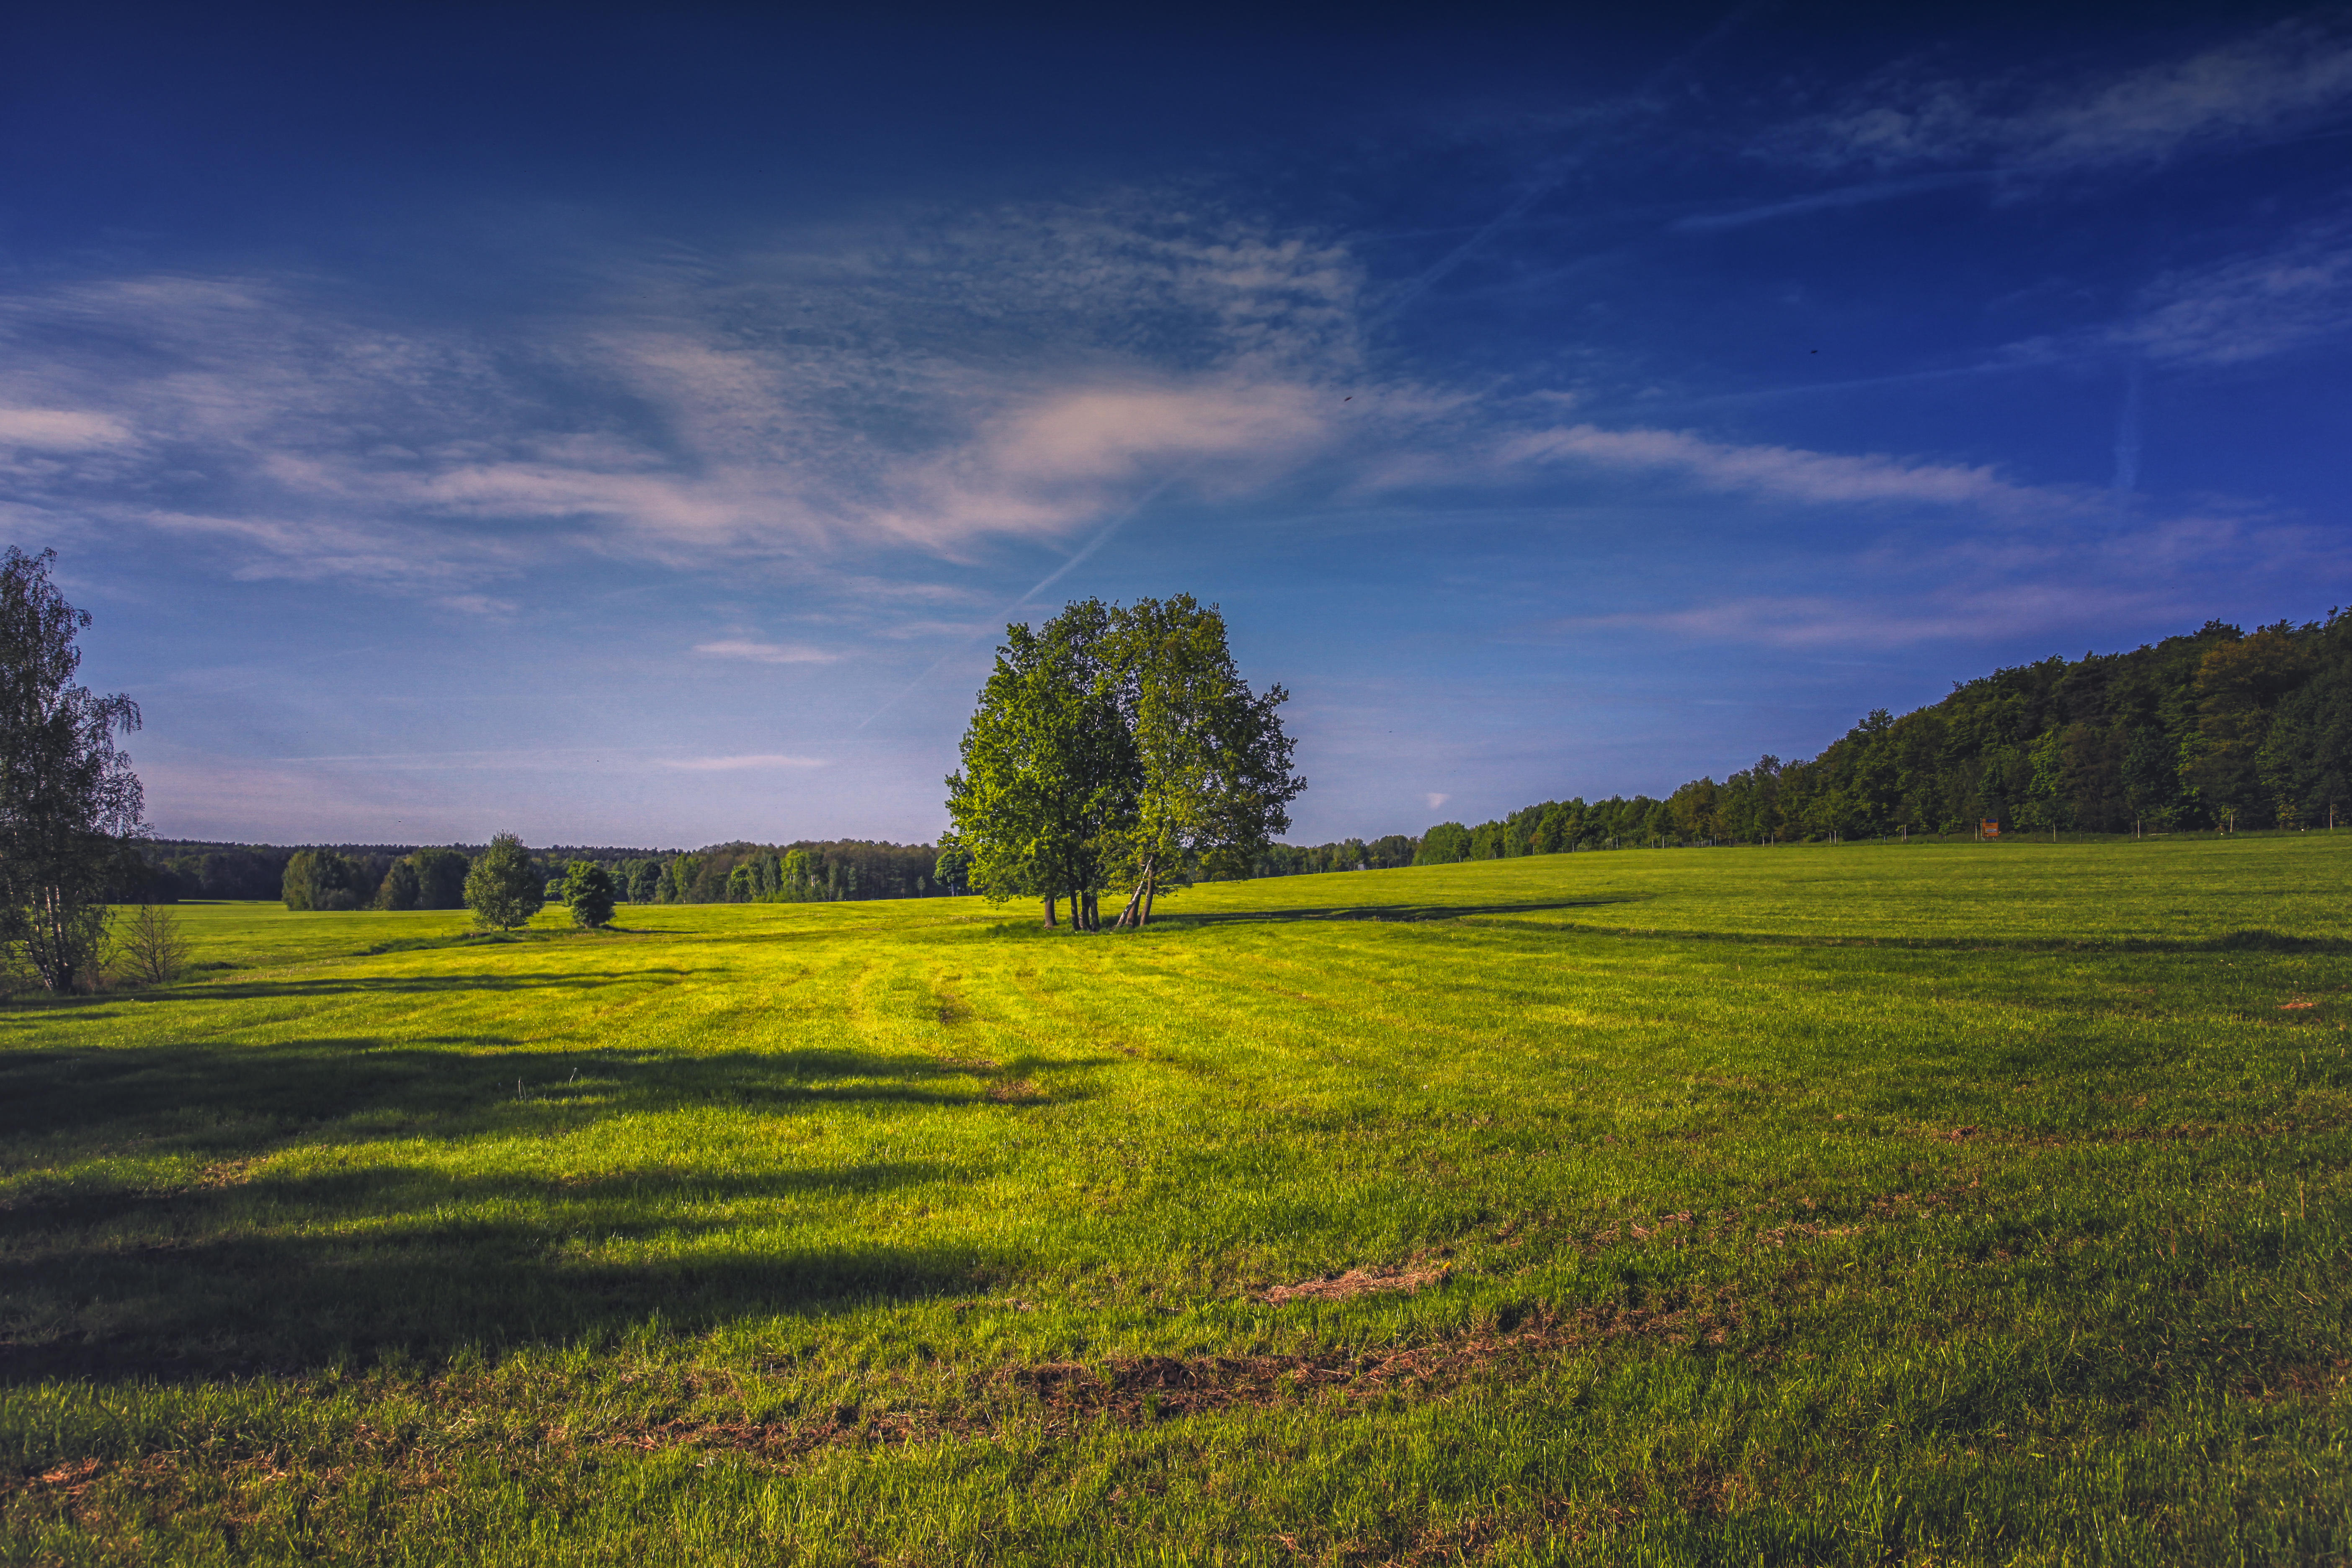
pixel 404 877
pixel 2220 729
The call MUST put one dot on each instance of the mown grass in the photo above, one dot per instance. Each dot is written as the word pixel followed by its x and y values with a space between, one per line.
pixel 1966 1204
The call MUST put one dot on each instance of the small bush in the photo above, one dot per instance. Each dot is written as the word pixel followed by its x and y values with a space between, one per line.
pixel 149 948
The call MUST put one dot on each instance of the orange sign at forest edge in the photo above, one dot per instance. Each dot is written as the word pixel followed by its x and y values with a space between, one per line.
pixel 1991 829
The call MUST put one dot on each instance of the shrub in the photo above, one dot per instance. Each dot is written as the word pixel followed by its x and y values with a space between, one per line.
pixel 149 948
pixel 588 889
pixel 503 888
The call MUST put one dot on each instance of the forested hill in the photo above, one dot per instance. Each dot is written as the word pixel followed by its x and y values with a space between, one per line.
pixel 2216 729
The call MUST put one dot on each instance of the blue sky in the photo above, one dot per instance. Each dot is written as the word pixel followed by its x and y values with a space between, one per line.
pixel 634 429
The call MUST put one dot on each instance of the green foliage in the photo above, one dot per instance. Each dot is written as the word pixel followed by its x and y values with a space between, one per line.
pixel 1443 845
pixel 1984 1204
pixel 1049 769
pixel 440 877
pixel 952 869
pixel 1119 742
pixel 588 893
pixel 401 888
pixel 503 887
pixel 68 796
pixel 323 879
pixel 2220 728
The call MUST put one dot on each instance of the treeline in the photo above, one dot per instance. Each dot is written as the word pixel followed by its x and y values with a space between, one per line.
pixel 404 877
pixel 2216 729
pixel 807 872
pixel 1347 854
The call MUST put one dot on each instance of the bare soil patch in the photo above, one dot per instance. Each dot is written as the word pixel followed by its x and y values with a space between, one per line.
pixel 1356 1282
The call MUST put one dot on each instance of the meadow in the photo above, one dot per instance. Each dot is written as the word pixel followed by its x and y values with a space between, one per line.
pixel 1981 1204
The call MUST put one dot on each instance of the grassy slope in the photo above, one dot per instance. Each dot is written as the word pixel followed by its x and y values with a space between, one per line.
pixel 1971 1204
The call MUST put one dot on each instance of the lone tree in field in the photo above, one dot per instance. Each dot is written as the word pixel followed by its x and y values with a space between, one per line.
pixel 68 796
pixel 1119 742
pixel 1049 768
pixel 588 893
pixel 1213 779
pixel 503 887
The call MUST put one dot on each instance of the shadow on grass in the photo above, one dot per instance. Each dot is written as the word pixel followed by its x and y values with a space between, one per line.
pixel 231 1099
pixel 214 1282
pixel 2268 941
pixel 112 1275
pixel 1389 912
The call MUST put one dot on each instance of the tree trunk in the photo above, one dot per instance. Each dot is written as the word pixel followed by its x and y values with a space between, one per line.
pixel 1151 889
pixel 1049 914
pixel 1094 909
pixel 1134 903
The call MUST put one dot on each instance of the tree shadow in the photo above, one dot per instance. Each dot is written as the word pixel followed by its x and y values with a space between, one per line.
pixel 220 1281
pixel 234 1097
pixel 114 1272
pixel 1402 914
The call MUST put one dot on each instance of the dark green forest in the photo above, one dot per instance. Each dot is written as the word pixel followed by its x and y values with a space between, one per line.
pixel 404 877
pixel 2216 729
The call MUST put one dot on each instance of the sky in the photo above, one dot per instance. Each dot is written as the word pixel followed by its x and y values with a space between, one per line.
pixel 635 426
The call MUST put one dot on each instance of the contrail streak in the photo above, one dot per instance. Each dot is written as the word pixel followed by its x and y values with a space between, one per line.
pixel 1047 581
pixel 1544 185
pixel 2126 478
pixel 1546 182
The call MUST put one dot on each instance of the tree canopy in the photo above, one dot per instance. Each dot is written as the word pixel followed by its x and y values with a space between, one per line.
pixel 504 888
pixel 68 799
pixel 1119 742
pixel 588 893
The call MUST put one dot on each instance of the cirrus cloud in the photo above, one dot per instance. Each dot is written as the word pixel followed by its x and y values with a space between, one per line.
pixel 2277 80
pixel 764 652
pixel 1782 473
pixel 762 760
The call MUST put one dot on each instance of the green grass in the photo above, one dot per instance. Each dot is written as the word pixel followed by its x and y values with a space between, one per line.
pixel 1960 1204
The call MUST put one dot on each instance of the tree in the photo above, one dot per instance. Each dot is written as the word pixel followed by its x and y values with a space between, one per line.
pixel 503 887
pixel 323 879
pixel 1048 766
pixel 1443 845
pixel 440 877
pixel 68 796
pixel 952 869
pixel 588 891
pixel 401 888
pixel 152 949
pixel 1213 783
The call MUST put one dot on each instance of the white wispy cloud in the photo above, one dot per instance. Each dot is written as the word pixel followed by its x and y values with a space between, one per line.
pixel 730 764
pixel 2272 82
pixel 1017 373
pixel 2057 579
pixel 2251 306
pixel 765 652
pixel 60 430
pixel 1782 473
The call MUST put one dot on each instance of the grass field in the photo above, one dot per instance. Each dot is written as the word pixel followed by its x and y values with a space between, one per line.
pixel 1962 1204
